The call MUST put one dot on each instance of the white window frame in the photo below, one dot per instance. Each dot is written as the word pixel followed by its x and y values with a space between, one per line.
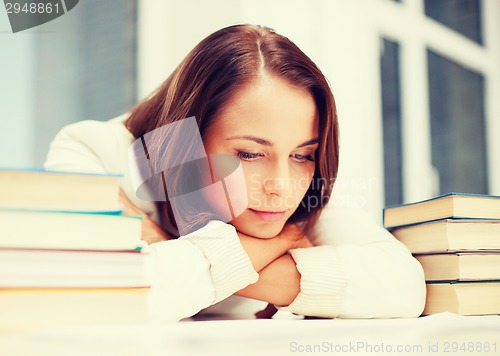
pixel 407 24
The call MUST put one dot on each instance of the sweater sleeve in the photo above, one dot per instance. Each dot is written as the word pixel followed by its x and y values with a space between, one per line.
pixel 90 146
pixel 357 270
pixel 196 271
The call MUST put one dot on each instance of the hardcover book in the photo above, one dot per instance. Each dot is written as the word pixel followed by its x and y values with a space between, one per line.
pixel 447 206
pixel 25 309
pixel 464 266
pixel 30 268
pixel 63 230
pixel 450 235
pixel 39 189
pixel 465 298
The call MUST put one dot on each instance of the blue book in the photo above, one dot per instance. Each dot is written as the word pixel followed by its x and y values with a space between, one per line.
pixel 447 206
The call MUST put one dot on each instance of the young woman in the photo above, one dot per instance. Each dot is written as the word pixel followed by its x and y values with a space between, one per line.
pixel 256 96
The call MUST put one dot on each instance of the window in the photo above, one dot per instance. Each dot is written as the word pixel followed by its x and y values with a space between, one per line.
pixel 446 95
pixel 456 97
pixel 391 119
pixel 85 67
pixel 463 16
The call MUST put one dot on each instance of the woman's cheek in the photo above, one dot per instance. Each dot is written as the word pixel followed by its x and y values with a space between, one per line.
pixel 236 188
pixel 302 182
pixel 227 194
pixel 253 183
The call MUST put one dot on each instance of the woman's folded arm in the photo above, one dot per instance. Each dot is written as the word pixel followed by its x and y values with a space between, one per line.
pixel 196 271
pixel 359 271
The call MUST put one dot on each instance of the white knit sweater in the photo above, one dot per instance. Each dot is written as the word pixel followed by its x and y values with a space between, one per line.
pixel 356 269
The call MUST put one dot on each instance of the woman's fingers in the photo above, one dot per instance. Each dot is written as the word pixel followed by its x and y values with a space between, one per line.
pixel 151 231
pixel 293 233
pixel 129 207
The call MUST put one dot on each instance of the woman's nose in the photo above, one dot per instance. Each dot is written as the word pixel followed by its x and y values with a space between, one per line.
pixel 277 180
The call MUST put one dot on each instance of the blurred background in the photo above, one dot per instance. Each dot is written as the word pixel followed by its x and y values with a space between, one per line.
pixel 417 82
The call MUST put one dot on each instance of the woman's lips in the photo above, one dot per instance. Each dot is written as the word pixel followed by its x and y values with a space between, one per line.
pixel 268 215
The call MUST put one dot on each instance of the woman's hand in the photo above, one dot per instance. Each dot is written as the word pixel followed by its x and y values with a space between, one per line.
pixel 295 236
pixel 264 251
pixel 279 280
pixel 151 231
pixel 278 284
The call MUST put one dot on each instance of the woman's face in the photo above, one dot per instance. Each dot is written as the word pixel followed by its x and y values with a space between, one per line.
pixel 272 127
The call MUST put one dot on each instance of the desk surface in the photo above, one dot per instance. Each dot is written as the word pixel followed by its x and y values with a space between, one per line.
pixel 441 334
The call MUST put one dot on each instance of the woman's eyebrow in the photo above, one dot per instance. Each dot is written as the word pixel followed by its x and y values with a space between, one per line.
pixel 260 141
pixel 309 142
pixel 264 142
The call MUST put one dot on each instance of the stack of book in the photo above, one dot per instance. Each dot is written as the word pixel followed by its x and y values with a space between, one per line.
pixel 456 238
pixel 68 257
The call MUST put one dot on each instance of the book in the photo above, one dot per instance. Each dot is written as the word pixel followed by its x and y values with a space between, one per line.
pixel 38 189
pixel 23 309
pixel 456 239
pixel 465 266
pixel 67 255
pixel 447 206
pixel 450 235
pixel 64 230
pixel 465 298
pixel 30 268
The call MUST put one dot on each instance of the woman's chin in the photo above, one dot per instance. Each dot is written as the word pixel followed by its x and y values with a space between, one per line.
pixel 261 235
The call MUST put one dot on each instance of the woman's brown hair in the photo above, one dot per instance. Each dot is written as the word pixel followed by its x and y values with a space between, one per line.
pixel 210 76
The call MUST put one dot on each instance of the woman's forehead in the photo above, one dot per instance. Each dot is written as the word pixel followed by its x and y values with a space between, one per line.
pixel 269 108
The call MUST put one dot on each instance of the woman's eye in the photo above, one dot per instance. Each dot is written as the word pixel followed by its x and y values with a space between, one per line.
pixel 303 158
pixel 246 156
